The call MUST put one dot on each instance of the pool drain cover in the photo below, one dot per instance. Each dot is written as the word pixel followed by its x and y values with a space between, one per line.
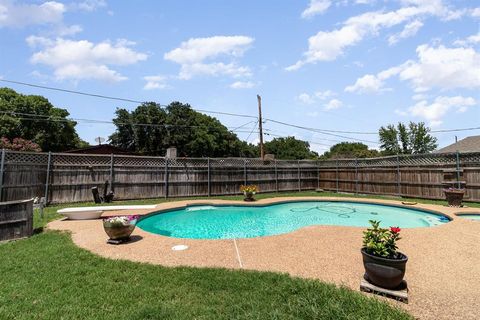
pixel 180 247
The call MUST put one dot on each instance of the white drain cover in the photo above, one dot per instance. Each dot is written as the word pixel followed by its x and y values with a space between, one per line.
pixel 180 247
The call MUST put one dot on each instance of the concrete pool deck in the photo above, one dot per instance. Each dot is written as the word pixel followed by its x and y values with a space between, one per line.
pixel 443 271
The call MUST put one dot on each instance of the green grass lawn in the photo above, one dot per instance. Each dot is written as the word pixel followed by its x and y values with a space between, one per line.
pixel 48 277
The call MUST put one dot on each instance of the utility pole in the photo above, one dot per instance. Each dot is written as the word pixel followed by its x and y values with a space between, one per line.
pixel 262 152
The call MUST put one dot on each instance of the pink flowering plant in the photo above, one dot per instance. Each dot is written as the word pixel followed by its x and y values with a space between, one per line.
pixel 381 242
pixel 19 144
pixel 120 221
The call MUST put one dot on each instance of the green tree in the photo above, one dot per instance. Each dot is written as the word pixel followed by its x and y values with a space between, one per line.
pixel 350 150
pixel 49 127
pixel 412 139
pixel 290 148
pixel 150 129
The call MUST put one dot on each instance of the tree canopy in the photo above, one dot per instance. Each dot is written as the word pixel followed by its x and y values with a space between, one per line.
pixel 49 128
pixel 412 139
pixel 350 150
pixel 290 148
pixel 150 129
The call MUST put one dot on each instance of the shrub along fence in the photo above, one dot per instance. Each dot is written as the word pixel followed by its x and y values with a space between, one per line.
pixel 63 178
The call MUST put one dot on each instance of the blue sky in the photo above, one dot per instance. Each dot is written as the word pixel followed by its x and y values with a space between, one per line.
pixel 347 65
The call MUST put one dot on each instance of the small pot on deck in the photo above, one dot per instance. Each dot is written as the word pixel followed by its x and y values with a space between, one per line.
pixel 119 228
pixel 386 273
pixel 454 196
pixel 248 196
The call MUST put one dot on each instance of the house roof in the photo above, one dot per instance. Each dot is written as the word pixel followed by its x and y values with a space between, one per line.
pixel 468 144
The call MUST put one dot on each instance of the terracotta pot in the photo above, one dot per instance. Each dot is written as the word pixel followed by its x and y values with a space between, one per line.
pixel 384 272
pixel 116 232
pixel 454 197
pixel 248 196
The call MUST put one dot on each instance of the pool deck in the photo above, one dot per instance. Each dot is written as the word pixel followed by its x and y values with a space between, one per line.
pixel 443 271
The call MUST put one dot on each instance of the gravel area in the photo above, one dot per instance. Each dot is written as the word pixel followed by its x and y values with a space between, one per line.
pixel 443 271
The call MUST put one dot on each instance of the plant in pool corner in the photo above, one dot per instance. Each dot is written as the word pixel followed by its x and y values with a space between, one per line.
pixel 384 265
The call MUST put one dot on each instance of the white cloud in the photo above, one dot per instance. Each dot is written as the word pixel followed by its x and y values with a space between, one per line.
pixel 473 39
pixel 306 98
pixel 370 83
pixel 193 54
pixel 437 67
pixel 155 82
pixel 435 111
pixel 77 60
pixel 21 15
pixel 476 12
pixel 243 85
pixel 408 31
pixel 90 5
pixel 445 68
pixel 328 45
pixel 316 7
pixel 333 104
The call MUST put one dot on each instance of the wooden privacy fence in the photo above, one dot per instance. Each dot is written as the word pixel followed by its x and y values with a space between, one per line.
pixel 63 178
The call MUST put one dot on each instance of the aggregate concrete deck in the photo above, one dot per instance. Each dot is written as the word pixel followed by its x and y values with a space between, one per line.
pixel 443 271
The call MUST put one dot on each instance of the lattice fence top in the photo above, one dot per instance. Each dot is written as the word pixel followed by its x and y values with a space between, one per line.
pixel 67 159
pixel 26 157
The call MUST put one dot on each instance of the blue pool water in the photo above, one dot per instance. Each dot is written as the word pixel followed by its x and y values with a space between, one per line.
pixel 228 222
pixel 475 216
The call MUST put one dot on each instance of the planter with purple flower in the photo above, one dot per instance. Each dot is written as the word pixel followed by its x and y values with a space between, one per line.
pixel 120 227
pixel 454 196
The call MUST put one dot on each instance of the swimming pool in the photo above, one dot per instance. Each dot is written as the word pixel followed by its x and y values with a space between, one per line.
pixel 471 216
pixel 237 221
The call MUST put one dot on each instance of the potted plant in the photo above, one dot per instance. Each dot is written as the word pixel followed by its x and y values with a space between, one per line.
pixel 119 227
pixel 384 265
pixel 249 192
pixel 454 196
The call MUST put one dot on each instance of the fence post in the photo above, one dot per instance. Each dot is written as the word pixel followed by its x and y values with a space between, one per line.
pixel 2 166
pixel 245 171
pixel 318 174
pixel 356 176
pixel 399 186
pixel 208 177
pixel 111 171
pixel 276 176
pixel 459 185
pixel 299 176
pixel 47 180
pixel 166 178
pixel 336 175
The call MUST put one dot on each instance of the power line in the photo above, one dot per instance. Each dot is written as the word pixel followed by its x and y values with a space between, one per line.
pixel 318 130
pixel 117 98
pixel 254 127
pixel 35 117
pixel 321 131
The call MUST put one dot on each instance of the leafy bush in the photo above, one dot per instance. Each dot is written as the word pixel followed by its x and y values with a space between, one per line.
pixel 381 242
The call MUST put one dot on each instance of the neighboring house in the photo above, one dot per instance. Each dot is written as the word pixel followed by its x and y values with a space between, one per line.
pixel 100 149
pixel 468 144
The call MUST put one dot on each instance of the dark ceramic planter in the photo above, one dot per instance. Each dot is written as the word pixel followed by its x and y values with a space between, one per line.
pixel 383 272
pixel 248 196
pixel 454 197
pixel 118 232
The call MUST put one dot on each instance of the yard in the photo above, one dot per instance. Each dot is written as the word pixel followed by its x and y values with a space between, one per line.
pixel 48 277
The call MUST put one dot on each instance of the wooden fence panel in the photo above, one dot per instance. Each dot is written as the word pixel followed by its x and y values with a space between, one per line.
pixel 71 176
